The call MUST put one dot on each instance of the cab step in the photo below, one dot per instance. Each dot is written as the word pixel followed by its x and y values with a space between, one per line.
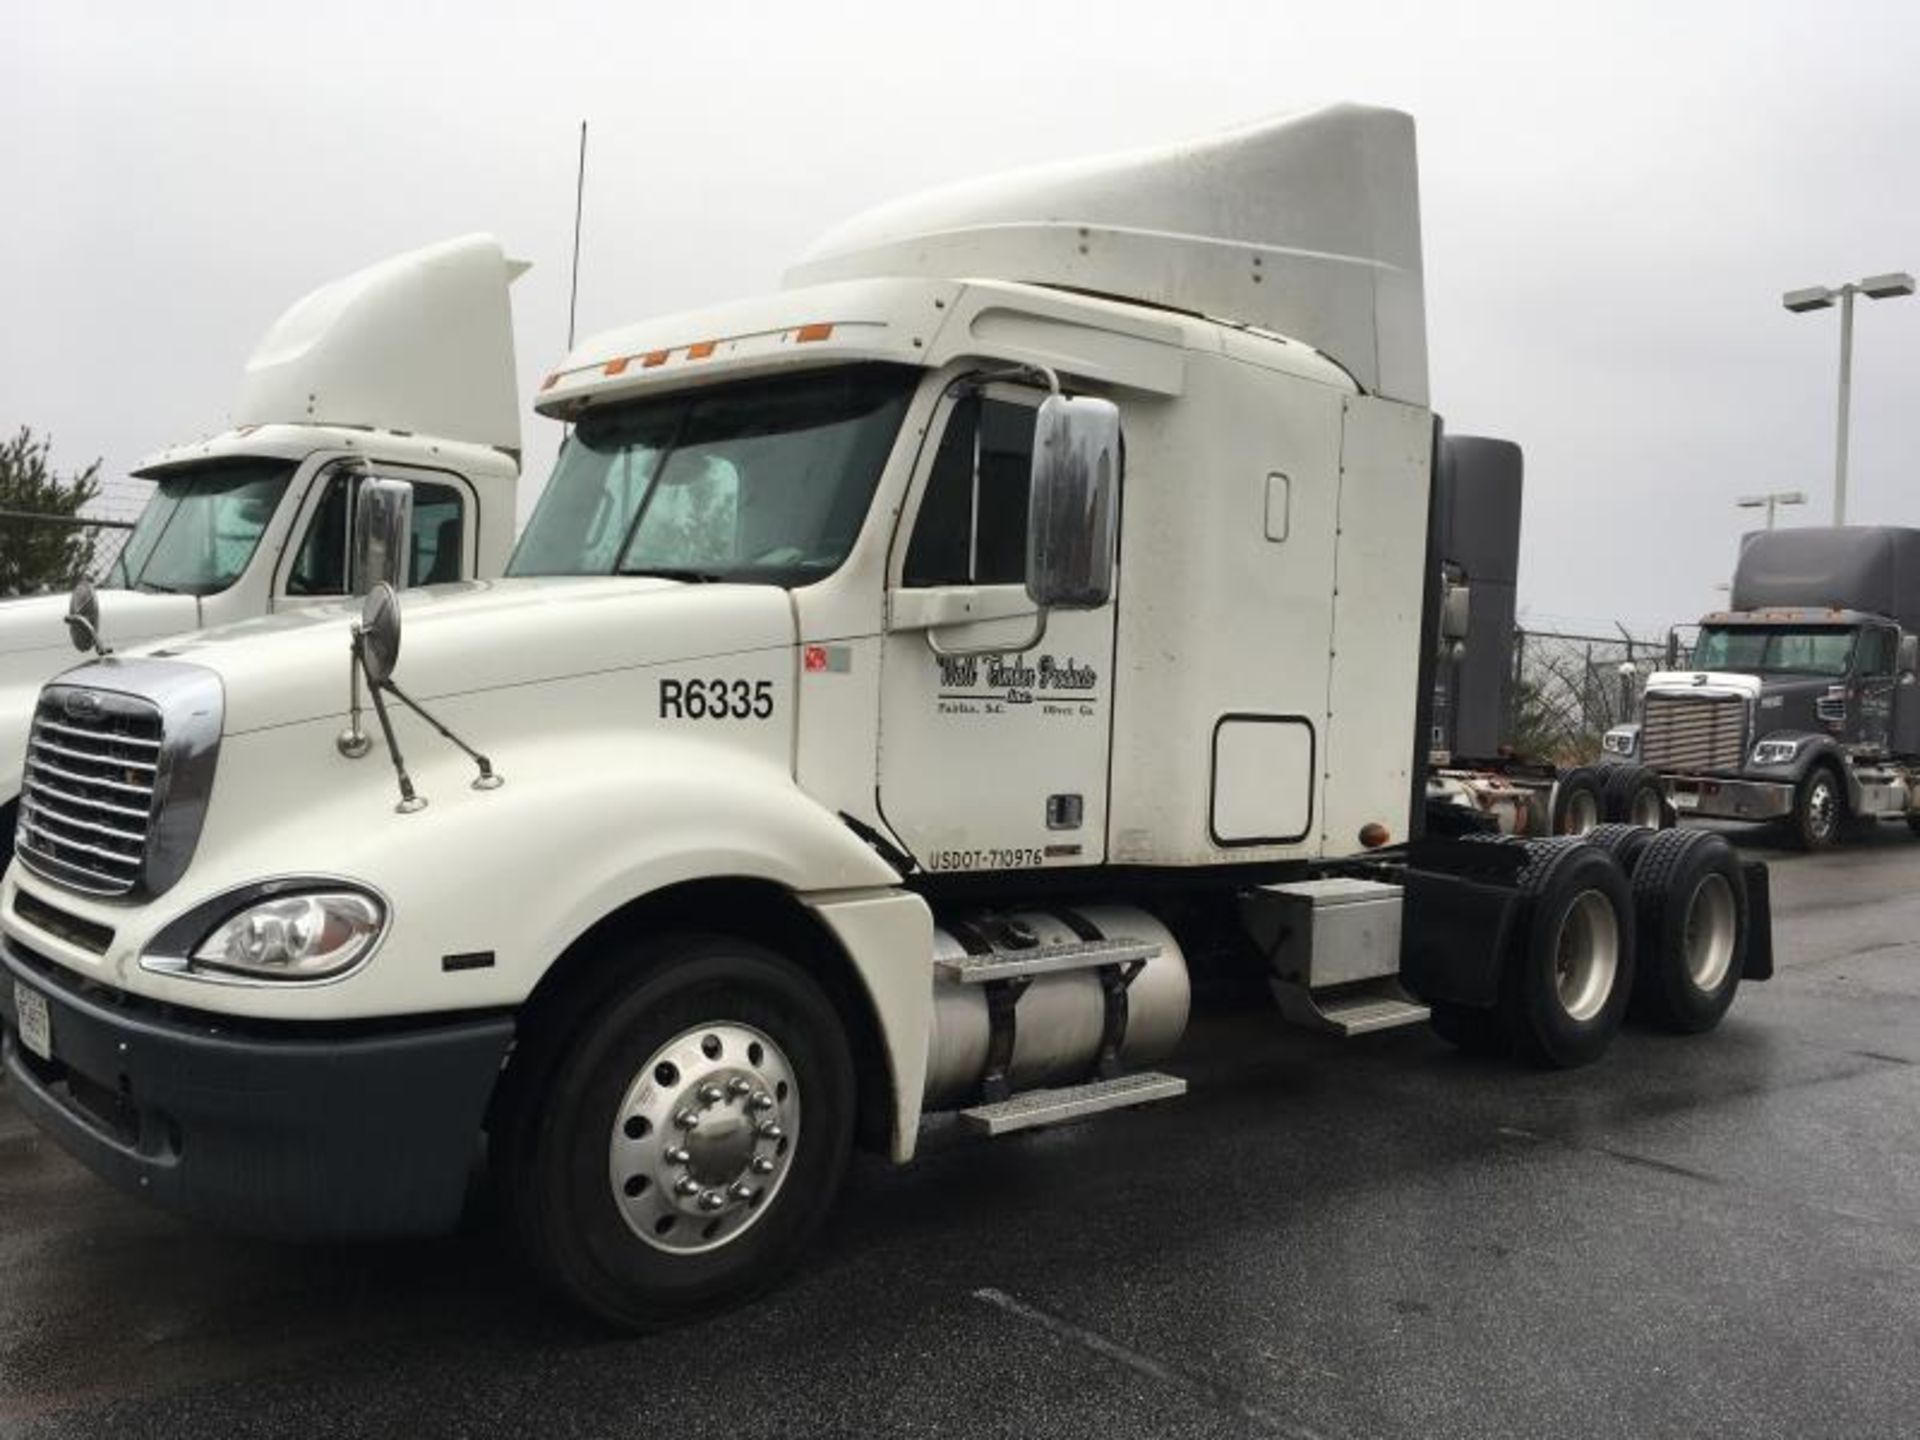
pixel 1357 1009
pixel 1070 1102
pixel 1045 959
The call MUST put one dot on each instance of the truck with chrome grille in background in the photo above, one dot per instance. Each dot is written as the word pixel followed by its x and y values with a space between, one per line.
pixel 403 370
pixel 909 681
pixel 1800 706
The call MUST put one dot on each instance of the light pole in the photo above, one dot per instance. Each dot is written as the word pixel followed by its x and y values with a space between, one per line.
pixel 1771 500
pixel 1821 297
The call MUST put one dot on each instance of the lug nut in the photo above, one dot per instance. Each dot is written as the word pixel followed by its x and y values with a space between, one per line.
pixel 768 1130
pixel 762 1164
pixel 738 1086
pixel 712 1094
pixel 712 1200
pixel 687 1119
pixel 686 1185
pixel 763 1101
pixel 740 1190
pixel 678 1155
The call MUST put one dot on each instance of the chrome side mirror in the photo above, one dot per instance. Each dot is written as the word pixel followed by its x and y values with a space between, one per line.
pixel 83 620
pixel 1072 510
pixel 1908 663
pixel 1456 610
pixel 382 535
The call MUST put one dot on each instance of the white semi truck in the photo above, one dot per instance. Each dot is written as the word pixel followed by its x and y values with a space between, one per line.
pixel 404 369
pixel 908 682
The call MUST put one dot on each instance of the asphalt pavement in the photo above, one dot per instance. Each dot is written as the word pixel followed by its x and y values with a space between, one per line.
pixel 1378 1237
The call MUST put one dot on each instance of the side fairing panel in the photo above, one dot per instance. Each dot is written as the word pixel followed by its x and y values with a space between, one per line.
pixel 1373 687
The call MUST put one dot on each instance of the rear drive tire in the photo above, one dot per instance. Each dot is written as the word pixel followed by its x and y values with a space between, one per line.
pixel 1690 904
pixel 1569 973
pixel 1633 795
pixel 678 1144
pixel 1579 801
pixel 1625 842
pixel 1819 809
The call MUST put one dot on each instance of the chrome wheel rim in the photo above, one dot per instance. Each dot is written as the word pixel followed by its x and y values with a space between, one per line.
pixel 1646 809
pixel 1583 813
pixel 1586 955
pixel 1709 932
pixel 1822 807
pixel 703 1138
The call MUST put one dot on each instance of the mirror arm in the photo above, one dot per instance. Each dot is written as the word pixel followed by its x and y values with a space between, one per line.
pixel 410 799
pixel 487 779
pixel 353 742
pixel 962 652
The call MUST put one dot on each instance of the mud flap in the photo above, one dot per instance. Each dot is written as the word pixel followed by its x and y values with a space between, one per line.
pixel 1757 962
pixel 1460 900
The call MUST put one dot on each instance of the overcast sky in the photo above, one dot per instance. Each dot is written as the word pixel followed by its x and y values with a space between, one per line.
pixel 1614 197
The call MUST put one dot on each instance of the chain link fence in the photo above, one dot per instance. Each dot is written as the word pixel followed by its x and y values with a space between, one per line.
pixel 1568 690
pixel 87 545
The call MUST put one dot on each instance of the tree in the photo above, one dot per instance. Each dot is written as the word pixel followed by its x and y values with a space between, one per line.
pixel 37 555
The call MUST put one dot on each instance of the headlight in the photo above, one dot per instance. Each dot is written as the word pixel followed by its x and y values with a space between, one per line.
pixel 1621 740
pixel 295 937
pixel 1775 752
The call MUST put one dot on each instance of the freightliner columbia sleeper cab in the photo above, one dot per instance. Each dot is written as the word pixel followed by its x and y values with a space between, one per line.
pixel 405 370
pixel 907 681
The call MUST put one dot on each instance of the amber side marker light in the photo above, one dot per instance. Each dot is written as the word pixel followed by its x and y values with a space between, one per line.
pixel 812 332
pixel 1373 835
pixel 616 367
pixel 702 350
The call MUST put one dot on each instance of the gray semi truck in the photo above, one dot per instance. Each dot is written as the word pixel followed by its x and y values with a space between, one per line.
pixel 1800 706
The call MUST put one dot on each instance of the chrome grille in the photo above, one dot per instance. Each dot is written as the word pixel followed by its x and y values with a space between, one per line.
pixel 87 798
pixel 1694 732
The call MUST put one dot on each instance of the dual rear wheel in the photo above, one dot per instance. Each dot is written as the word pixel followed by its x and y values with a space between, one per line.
pixel 1624 918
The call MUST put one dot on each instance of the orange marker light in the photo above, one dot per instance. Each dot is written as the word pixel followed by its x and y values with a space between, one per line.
pixel 812 332
pixel 551 381
pixel 702 350
pixel 1373 835
pixel 658 357
pixel 616 367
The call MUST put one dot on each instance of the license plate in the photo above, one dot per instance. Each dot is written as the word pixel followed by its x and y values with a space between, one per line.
pixel 36 1029
pixel 1686 800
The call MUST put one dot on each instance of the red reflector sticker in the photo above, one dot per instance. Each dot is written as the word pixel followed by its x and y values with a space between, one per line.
pixel 826 659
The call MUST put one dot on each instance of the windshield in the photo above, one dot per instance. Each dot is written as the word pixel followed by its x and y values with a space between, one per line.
pixel 765 480
pixel 201 527
pixel 1795 650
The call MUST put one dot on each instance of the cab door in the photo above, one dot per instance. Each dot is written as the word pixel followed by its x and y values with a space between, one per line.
pixel 993 751
pixel 315 567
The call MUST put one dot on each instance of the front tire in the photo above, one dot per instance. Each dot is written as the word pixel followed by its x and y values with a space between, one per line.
pixel 1819 809
pixel 686 1136
pixel 1632 795
pixel 1579 802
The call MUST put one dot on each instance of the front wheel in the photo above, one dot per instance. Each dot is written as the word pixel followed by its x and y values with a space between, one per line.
pixel 688 1136
pixel 1818 810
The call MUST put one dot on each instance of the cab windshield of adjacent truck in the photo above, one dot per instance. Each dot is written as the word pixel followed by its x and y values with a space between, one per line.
pixel 765 480
pixel 201 527
pixel 1775 650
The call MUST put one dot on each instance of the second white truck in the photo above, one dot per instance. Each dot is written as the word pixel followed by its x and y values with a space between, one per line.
pixel 404 369
pixel 908 682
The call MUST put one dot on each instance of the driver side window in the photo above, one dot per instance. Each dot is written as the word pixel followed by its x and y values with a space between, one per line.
pixel 972 525
pixel 439 539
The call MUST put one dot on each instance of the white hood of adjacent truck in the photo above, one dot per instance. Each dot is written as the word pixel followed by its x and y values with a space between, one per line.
pixel 480 636
pixel 1307 225
pixel 419 343
pixel 1703 682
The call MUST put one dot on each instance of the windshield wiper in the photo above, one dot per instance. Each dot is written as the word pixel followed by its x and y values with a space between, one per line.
pixel 691 577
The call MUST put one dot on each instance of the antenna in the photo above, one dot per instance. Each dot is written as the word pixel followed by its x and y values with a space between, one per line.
pixel 579 200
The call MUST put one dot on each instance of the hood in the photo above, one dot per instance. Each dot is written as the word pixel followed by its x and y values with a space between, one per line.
pixel 484 635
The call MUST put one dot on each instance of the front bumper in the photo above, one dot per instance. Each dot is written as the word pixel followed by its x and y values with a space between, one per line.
pixel 293 1132
pixel 1722 799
